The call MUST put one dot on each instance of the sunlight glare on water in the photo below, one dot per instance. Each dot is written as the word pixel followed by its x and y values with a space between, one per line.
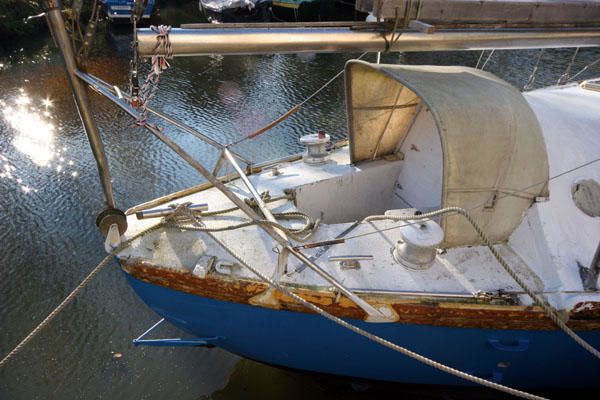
pixel 33 127
pixel 30 121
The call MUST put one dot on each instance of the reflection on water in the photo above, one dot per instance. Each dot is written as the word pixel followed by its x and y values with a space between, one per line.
pixel 32 125
pixel 34 131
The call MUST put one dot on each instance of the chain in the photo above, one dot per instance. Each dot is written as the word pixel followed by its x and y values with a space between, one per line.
pixel 162 51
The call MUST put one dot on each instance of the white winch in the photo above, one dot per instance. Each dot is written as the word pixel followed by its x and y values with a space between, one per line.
pixel 420 239
pixel 316 147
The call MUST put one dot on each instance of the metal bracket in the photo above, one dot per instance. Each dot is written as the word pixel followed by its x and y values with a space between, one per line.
pixel 350 261
pixel 589 276
pixel 219 164
pixel 29 18
pixel 174 342
pixel 498 297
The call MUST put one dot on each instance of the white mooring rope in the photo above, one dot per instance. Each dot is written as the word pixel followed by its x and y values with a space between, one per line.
pixel 538 300
pixel 54 313
pixel 168 222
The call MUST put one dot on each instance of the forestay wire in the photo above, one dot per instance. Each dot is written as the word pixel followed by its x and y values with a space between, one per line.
pixel 292 110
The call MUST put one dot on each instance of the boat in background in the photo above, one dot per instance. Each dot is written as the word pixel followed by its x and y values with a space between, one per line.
pixel 217 11
pixel 226 11
pixel 120 10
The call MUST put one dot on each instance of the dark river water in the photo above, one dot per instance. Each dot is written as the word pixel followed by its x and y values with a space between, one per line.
pixel 50 196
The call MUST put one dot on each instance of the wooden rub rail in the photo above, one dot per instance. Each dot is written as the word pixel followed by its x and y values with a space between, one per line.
pixel 425 311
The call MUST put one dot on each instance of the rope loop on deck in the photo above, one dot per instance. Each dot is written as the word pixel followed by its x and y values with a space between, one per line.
pixel 185 219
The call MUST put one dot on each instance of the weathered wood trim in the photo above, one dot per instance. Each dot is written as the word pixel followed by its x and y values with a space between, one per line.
pixel 422 311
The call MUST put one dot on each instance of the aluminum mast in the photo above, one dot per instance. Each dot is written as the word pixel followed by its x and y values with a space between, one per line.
pixel 329 39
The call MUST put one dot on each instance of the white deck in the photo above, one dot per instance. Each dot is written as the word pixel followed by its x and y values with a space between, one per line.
pixel 545 249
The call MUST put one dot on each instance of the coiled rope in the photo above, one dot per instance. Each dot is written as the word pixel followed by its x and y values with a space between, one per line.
pixel 298 234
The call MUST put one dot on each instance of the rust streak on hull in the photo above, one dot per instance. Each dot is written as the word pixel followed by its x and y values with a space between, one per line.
pixel 426 311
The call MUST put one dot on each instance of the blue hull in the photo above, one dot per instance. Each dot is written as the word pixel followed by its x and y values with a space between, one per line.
pixel 547 359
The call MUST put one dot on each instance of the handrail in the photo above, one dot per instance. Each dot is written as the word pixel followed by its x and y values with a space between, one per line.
pixel 261 204
pixel 203 186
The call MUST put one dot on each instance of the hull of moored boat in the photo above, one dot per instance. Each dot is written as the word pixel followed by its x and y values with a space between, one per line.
pixel 524 358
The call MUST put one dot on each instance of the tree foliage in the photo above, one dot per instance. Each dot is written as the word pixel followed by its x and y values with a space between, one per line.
pixel 12 13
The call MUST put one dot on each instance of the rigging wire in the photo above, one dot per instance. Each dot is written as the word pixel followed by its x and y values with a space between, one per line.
pixel 292 110
pixel 564 78
pixel 479 59
pixel 531 80
pixel 488 59
pixel 582 70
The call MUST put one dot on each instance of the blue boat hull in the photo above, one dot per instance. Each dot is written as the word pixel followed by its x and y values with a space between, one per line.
pixel 120 10
pixel 303 341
